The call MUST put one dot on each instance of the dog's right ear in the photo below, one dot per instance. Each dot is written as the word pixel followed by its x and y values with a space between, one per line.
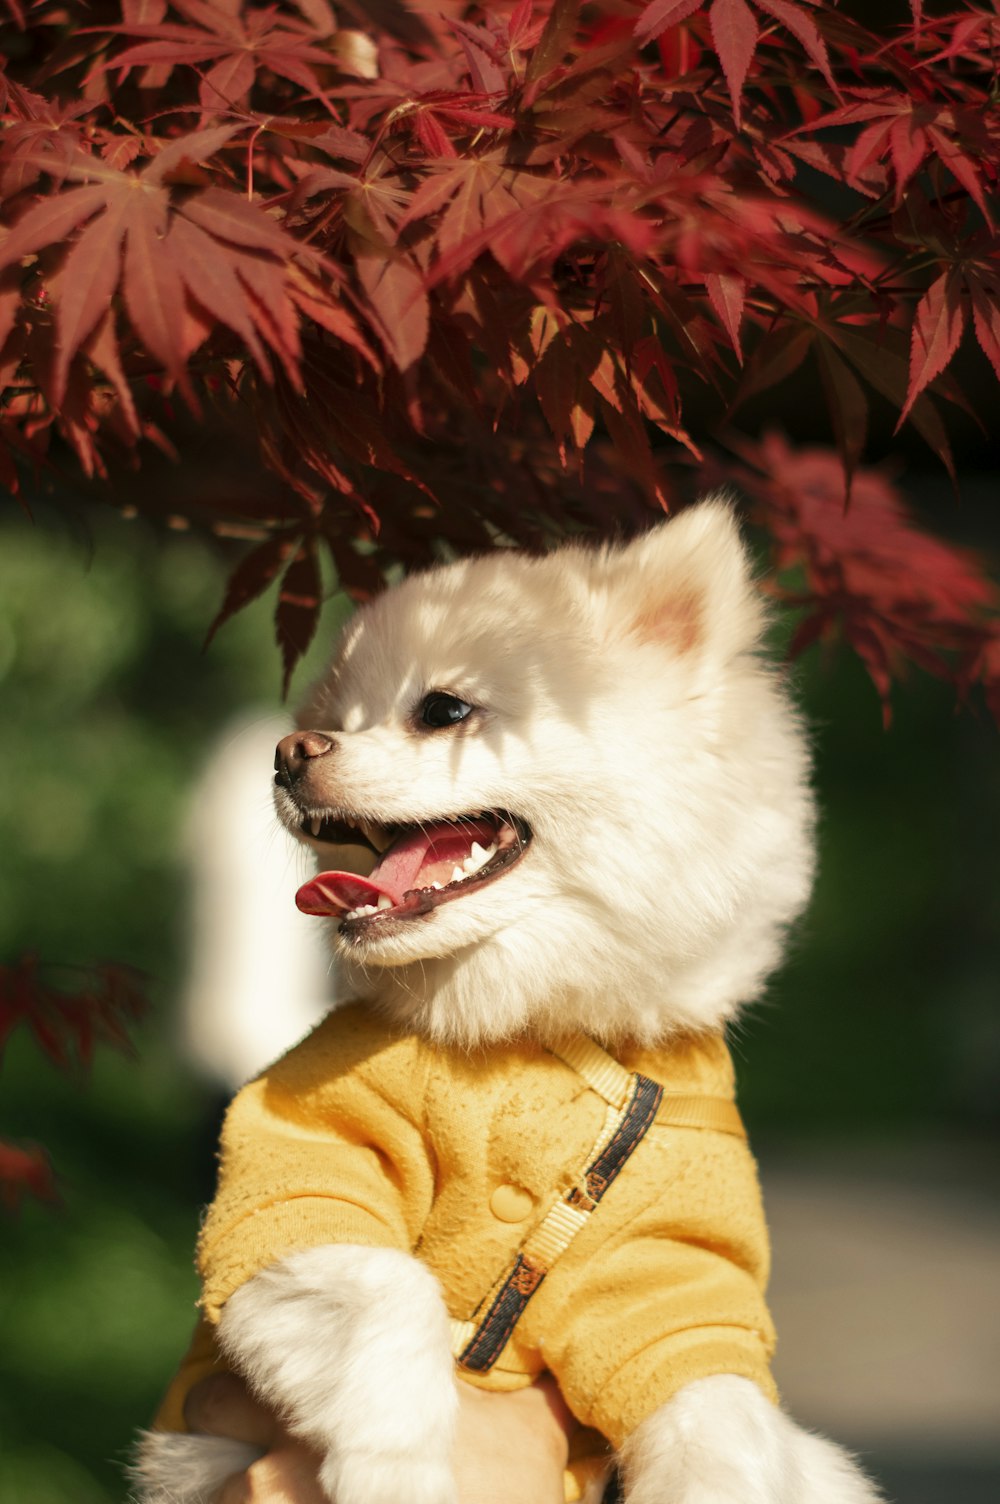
pixel 688 585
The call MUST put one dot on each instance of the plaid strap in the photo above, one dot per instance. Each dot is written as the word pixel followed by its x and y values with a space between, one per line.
pixel 634 1102
pixel 507 1304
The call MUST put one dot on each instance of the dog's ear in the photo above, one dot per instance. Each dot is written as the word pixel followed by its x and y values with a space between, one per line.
pixel 688 584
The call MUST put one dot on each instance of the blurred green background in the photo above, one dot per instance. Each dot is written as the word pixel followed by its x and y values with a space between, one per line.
pixel 881 1036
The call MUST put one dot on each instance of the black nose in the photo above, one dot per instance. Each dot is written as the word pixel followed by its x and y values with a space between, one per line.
pixel 294 752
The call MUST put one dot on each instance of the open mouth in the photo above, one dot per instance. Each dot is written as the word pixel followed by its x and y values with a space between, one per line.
pixel 419 866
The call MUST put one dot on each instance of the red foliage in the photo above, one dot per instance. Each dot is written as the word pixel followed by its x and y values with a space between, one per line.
pixel 67 1025
pixel 468 270
pixel 25 1172
pixel 892 590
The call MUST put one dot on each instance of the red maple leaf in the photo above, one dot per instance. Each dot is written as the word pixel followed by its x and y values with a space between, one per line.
pixel 892 589
pixel 238 41
pixel 969 281
pixel 427 115
pixel 934 338
pixel 68 1024
pixel 182 261
pixel 25 1171
pixel 906 131
pixel 638 194
pixel 983 283
pixel 33 123
pixel 735 34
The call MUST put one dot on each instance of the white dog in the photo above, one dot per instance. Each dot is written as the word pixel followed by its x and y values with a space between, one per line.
pixel 579 812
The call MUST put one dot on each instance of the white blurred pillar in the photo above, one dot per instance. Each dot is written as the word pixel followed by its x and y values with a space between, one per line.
pixel 259 970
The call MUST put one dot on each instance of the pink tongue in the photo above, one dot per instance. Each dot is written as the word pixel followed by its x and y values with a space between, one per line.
pixel 333 893
pixel 336 893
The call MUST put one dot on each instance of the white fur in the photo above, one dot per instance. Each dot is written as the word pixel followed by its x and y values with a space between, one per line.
pixel 174 1469
pixel 352 1345
pixel 719 1441
pixel 624 713
pixel 629 719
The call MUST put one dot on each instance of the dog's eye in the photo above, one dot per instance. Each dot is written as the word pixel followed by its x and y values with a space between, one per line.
pixel 443 710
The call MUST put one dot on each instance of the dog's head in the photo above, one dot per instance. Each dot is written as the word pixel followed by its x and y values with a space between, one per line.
pixel 570 793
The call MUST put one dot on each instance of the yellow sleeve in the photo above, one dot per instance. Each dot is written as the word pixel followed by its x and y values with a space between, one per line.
pixel 674 1292
pixel 326 1147
pixel 201 1359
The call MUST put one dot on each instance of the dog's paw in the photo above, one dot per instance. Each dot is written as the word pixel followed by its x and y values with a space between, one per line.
pixel 395 1478
pixel 720 1441
pixel 172 1469
pixel 353 1347
pixel 829 1474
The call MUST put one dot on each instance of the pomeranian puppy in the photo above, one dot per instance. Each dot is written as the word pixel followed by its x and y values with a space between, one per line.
pixel 563 815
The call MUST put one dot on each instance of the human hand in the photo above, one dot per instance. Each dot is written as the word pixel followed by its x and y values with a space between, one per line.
pixel 508 1446
pixel 220 1405
pixel 511 1446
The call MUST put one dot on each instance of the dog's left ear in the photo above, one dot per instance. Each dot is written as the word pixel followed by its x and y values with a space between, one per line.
pixel 688 584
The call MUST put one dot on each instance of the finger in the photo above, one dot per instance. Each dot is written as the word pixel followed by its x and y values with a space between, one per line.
pixel 235 1490
pixel 289 1475
pixel 220 1405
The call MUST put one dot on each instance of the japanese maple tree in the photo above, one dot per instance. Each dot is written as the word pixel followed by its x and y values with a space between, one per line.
pixel 68 1016
pixel 466 274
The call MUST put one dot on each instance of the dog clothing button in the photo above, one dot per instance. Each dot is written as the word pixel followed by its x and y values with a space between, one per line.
pixel 511 1203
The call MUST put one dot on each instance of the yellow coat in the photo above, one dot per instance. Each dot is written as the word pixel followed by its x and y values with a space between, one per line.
pixel 362 1135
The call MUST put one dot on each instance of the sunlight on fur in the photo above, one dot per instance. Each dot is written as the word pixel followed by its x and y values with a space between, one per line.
pixel 562 814
pixel 666 786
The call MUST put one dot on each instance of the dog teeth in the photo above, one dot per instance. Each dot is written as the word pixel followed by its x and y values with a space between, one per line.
pixel 384 902
pixel 478 857
pixel 316 824
pixel 373 834
pixel 369 908
pixel 438 886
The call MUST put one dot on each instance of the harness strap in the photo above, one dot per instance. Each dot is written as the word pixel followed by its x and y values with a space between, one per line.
pixel 613 1082
pixel 600 1070
pixel 635 1102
